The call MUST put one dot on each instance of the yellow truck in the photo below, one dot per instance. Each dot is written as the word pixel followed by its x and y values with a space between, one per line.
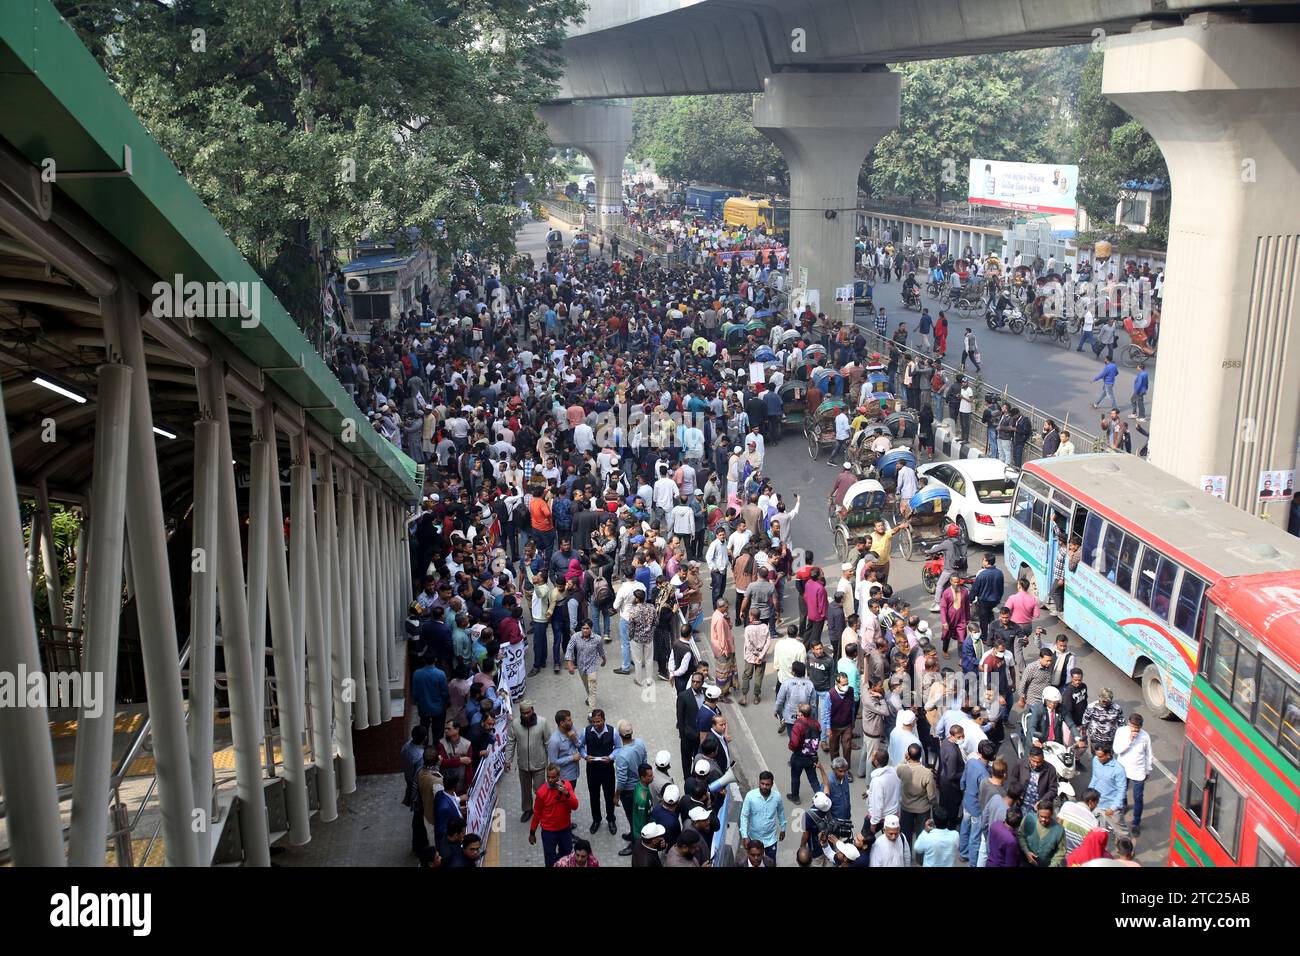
pixel 751 212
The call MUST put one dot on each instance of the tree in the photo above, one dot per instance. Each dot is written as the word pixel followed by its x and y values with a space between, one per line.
pixel 309 124
pixel 1111 146
pixel 706 139
pixel 1010 106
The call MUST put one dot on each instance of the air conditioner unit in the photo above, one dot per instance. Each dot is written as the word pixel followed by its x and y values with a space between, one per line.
pixel 358 284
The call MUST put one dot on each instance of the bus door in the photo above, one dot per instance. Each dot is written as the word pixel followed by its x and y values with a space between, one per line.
pixel 1208 813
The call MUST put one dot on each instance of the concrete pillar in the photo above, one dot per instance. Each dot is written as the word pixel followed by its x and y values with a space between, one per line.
pixel 825 124
pixel 1222 100
pixel 602 131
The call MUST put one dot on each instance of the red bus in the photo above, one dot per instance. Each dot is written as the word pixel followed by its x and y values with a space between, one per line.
pixel 1238 798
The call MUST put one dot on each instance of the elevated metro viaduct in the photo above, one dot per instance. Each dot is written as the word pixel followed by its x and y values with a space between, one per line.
pixel 157 419
pixel 1216 84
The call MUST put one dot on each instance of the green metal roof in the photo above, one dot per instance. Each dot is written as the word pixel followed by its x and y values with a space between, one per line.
pixel 58 103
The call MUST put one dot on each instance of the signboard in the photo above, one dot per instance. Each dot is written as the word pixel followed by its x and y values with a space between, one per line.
pixel 514 669
pixel 747 256
pixel 1215 485
pixel 1029 187
pixel 1276 485
pixel 812 299
pixel 844 293
pixel 803 277
pixel 483 792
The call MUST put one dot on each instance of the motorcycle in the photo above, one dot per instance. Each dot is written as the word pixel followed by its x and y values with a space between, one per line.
pixel 1059 756
pixel 931 571
pixel 1011 317
pixel 911 299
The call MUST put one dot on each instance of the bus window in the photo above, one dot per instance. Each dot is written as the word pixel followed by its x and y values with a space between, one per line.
pixel 1244 689
pixel 1110 543
pixel 1223 659
pixel 1187 614
pixel 1023 508
pixel 1091 532
pixel 1081 516
pixel 1223 816
pixel 1128 553
pixel 1164 593
pixel 1147 575
pixel 1288 735
pixel 1268 852
pixel 1038 520
pixel 1272 691
pixel 1191 782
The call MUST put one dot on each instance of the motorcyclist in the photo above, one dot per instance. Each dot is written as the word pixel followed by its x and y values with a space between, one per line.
pixel 953 549
pixel 1000 305
pixel 911 288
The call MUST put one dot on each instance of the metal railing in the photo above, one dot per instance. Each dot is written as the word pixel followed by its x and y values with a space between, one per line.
pixel 1083 441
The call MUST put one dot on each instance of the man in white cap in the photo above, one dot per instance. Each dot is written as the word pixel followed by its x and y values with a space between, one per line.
pixel 891 848
pixel 667 814
pixel 646 850
pixel 845 587
pixel 1047 721
pixel 903 734
pixel 662 777
pixel 733 473
pixel 817 827
pixel 702 820
pixel 846 854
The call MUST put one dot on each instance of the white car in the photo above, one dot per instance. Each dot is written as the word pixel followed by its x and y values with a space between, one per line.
pixel 982 489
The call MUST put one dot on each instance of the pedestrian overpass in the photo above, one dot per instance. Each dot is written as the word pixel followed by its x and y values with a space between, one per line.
pixel 1217 84
pixel 219 479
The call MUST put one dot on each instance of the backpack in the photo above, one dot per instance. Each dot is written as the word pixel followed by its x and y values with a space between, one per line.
pixel 959 555
pixel 936 382
pixel 602 595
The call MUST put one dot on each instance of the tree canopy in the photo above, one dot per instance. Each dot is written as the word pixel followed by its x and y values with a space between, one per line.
pixel 1007 106
pixel 706 139
pixel 1111 146
pixel 308 124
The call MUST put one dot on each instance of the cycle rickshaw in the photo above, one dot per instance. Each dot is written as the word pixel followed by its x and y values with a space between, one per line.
pixel 819 426
pixel 864 505
pixel 927 520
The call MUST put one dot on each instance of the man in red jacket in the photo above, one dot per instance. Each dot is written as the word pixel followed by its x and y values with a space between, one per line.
pixel 553 810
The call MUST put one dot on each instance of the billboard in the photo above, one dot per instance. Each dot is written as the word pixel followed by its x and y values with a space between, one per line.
pixel 1028 187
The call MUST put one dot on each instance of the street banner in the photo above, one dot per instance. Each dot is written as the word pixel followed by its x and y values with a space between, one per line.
pixel 514 669
pixel 483 793
pixel 1028 187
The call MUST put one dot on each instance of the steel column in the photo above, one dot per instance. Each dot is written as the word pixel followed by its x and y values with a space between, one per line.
pixel 365 546
pixel 382 637
pixel 93 754
pixel 286 665
pixel 50 563
pixel 203 613
pixel 79 574
pixel 146 536
pixel 356 610
pixel 259 493
pixel 26 753
pixel 340 655
pixel 318 678
pixel 299 503
pixel 244 718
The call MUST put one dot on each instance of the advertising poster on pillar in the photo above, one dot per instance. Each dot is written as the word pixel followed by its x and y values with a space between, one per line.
pixel 1276 485
pixel 1028 187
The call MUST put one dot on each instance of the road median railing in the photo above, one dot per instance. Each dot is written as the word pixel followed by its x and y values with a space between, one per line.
pixel 1083 441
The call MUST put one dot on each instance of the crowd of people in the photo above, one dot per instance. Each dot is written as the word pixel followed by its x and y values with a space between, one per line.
pixel 597 493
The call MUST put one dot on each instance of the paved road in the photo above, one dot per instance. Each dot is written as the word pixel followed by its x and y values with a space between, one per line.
pixel 1057 381
pixel 755 739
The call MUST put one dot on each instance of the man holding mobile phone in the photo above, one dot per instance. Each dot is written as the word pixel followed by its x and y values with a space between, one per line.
pixel 553 811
